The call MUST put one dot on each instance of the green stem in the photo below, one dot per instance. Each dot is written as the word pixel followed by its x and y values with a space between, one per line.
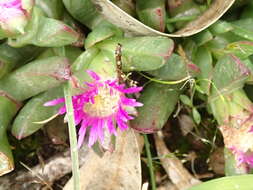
pixel 72 137
pixel 166 82
pixel 150 163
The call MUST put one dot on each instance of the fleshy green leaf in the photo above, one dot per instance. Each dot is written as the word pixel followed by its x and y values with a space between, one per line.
pixel 186 100
pixel 202 37
pixel 243 182
pixel 152 13
pixel 196 116
pixel 140 53
pixel 184 11
pixel 36 77
pixel 229 74
pixel 34 111
pixel 45 32
pixel 243 28
pixel 175 69
pixel 54 33
pixel 159 102
pixel 220 27
pixel 101 32
pixel 203 59
pixel 84 11
pixel 8 109
pixel 127 5
pixel 83 61
pixel 241 49
pixel 52 8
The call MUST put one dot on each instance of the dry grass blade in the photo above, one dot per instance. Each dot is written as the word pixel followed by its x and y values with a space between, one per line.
pixel 168 186
pixel 40 178
pixel 173 166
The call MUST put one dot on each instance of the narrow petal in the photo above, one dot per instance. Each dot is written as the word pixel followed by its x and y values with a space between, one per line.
pixel 131 102
pixel 122 125
pixel 81 134
pixel 78 117
pixel 62 110
pixel 111 127
pixel 54 102
pixel 100 130
pixel 93 74
pixel 251 129
pixel 132 90
pixel 249 160
pixel 89 84
pixel 124 115
pixel 93 133
pixel 112 83
pixel 118 87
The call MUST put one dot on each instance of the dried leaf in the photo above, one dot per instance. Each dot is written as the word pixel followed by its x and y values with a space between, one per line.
pixel 119 170
pixel 217 161
pixel 135 27
pixel 37 177
pixel 173 166
pixel 186 124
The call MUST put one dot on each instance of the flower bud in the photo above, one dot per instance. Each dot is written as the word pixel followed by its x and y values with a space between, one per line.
pixel 14 15
pixel 234 114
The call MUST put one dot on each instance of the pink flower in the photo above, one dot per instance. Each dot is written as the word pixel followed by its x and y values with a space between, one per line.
pixel 99 108
pixel 243 157
pixel 13 17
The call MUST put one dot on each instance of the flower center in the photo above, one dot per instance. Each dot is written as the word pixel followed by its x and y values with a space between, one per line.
pixel 106 102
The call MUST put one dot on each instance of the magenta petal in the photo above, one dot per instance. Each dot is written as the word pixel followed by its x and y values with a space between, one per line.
pixel 100 130
pixel 11 3
pixel 132 90
pixel 111 127
pixel 122 125
pixel 131 102
pixel 112 83
pixel 124 115
pixel 250 161
pixel 78 117
pixel 251 129
pixel 93 133
pixel 62 110
pixel 89 84
pixel 81 133
pixel 246 158
pixel 93 74
pixel 96 123
pixel 92 100
pixel 54 102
